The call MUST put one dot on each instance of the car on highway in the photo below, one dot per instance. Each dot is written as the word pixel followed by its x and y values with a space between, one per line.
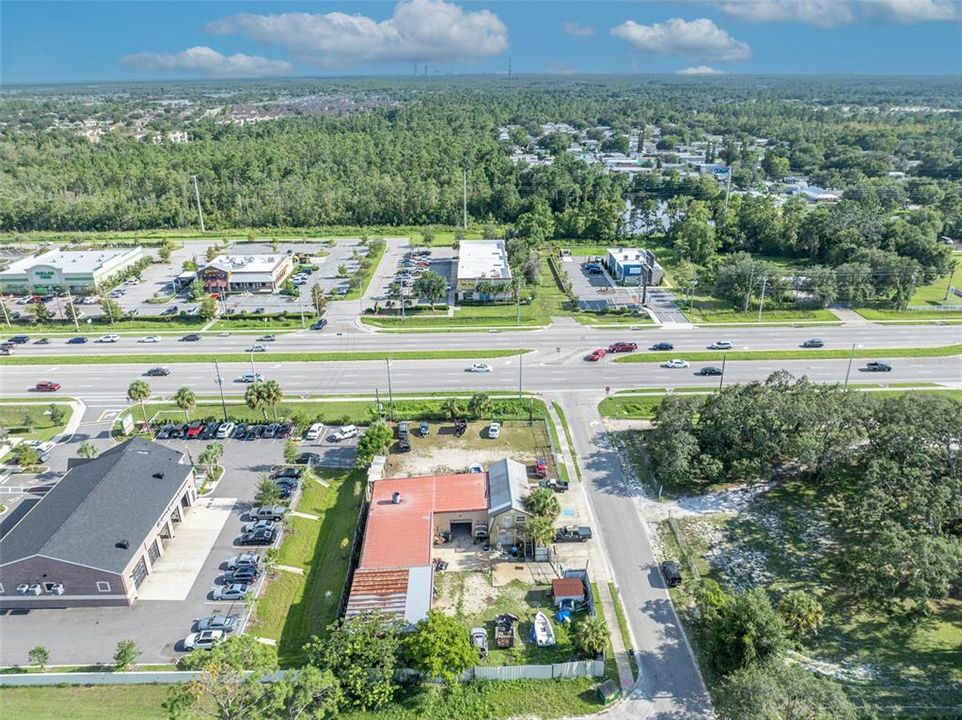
pixel 149 339
pixel 42 341
pixel 314 431
pixel 256 348
pixel 243 560
pixel 47 386
pixel 19 339
pixel 813 343
pixel 596 355
pixel 267 338
pixel 111 338
pixel 203 640
pixel 258 537
pixel 480 368
pixel 251 378
pixel 709 370
pixel 77 340
pixel 721 345
pixel 319 324
pixel 158 372
pixel 675 364
pixel 877 366
pixel 191 337
pixel 235 591
pixel 622 347
pixel 494 430
pixel 224 623
pixel 345 432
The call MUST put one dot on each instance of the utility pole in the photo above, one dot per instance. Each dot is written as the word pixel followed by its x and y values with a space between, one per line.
pixel 254 374
pixel 520 375
pixel 762 303
pixel 721 380
pixel 517 302
pixel 220 385
pixel 6 318
pixel 390 392
pixel 71 309
pixel 849 371
pixel 748 293
pixel 464 189
pixel 728 188
pixel 945 297
pixel 200 212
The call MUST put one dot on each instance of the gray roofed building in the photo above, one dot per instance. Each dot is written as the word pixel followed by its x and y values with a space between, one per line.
pixel 97 533
pixel 507 486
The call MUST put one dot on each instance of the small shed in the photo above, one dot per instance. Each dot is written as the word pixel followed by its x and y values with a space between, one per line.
pixel 608 692
pixel 567 589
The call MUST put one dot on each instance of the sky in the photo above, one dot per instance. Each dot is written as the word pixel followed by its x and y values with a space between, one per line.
pixel 79 41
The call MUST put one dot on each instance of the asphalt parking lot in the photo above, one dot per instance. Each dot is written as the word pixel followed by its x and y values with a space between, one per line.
pixel 179 591
pixel 595 291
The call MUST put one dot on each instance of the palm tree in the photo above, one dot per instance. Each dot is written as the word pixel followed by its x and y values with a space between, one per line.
pixel 591 635
pixel 254 397
pixel 452 408
pixel 273 394
pixel 139 391
pixel 540 529
pixel 479 405
pixel 186 400
pixel 543 503
pixel 87 450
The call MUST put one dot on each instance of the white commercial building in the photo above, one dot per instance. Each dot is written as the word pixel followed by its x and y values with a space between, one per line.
pixel 483 271
pixel 80 271
pixel 246 272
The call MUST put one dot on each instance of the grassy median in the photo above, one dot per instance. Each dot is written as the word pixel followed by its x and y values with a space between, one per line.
pixel 800 354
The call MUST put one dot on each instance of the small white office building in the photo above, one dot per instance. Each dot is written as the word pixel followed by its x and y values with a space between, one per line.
pixel 483 271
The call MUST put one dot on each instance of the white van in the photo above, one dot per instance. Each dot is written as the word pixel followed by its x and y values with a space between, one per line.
pixel 344 433
pixel 314 431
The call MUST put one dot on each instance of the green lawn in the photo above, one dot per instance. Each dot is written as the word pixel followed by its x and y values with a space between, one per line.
pixel 634 408
pixel 800 354
pixel 31 420
pixel 910 315
pixel 368 268
pixel 295 607
pixel 466 354
pixel 466 316
pixel 934 293
pixel 708 309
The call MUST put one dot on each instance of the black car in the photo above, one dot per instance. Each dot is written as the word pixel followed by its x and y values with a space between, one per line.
pixel 813 343
pixel 246 574
pixel 404 445
pixel 308 458
pixel 662 346
pixel 210 431
pixel 671 573
pixel 288 472
pixel 709 371
pixel 258 537
pixel 178 431
pixel 165 432
pixel 284 431
pixel 256 433
pixel 77 341
pixel 42 341
pixel 158 372
pixel 877 366
pixel 20 339
pixel 192 337
pixel 319 325
pixel 240 432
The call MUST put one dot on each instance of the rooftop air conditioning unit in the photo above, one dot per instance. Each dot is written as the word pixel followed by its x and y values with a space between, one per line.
pixel 396 498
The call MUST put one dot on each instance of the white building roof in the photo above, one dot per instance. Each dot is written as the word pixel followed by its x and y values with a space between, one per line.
pixel 70 262
pixel 483 260
pixel 247 263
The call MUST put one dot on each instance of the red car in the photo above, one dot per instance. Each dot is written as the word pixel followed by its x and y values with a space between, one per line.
pixel 47 386
pixel 596 355
pixel 622 347
pixel 540 468
pixel 195 429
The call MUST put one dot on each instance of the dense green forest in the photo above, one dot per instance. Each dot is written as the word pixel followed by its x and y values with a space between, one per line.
pixel 396 157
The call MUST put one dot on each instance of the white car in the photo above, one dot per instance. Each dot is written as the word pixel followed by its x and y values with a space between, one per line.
pixel 150 339
pixel 314 431
pixel 252 378
pixel 225 430
pixel 480 368
pixel 203 640
pixel 343 433
pixel 234 591
pixel 721 345
pixel 494 430
pixel 257 348
pixel 675 364
pixel 258 525
pixel 476 468
pixel 247 559
pixel 109 338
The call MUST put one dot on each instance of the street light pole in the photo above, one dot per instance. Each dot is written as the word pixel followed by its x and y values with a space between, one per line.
pixel 220 384
pixel 761 305
pixel 253 374
pixel 200 212
pixel 390 392
pixel 520 375
pixel 721 380
pixel 849 371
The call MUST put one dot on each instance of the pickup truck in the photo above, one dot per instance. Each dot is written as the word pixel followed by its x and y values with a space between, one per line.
pixel 556 485
pixel 573 534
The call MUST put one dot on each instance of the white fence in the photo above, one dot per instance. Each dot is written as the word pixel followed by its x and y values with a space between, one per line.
pixel 937 308
pixel 555 671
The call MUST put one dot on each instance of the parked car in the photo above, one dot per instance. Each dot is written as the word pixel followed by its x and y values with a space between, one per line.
pixel 319 324
pixel 573 534
pixel 240 432
pixel 195 429
pixel 149 339
pixel 874 366
pixel 622 347
pixel 404 445
pixel 558 486
pixel 540 468
pixel 47 386
pixel 596 355
pixel 224 623
pixel 256 525
pixel 813 343
pixel 164 432
pixel 288 472
pixel 158 372
pixel 111 338
pixel 480 368
pixel 192 337
pixel 424 429
pixel 258 537
pixel 494 430
pixel 675 364
pixel 242 560
pixel 721 345
pixel 476 468
pixel 671 573
pixel 235 591
pixel 251 378
pixel 241 575
pixel 225 430
pixel 308 458
pixel 203 640
pixel 709 371
pixel 662 346
pixel 77 340
pixel 314 431
pixel 403 430
pixel 267 512
pixel 270 430
pixel 172 310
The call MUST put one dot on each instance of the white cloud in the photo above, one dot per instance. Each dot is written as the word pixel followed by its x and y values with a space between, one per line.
pixel 207 61
pixel 577 29
pixel 821 13
pixel 836 13
pixel 418 31
pixel 700 70
pixel 696 39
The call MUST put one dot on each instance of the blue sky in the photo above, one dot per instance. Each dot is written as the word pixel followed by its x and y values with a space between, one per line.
pixel 89 41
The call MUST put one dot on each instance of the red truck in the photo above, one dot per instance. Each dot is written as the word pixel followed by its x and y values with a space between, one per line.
pixel 47 386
